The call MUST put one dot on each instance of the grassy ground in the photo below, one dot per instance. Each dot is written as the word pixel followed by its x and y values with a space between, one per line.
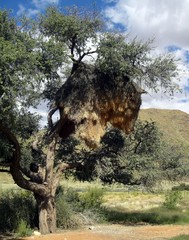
pixel 125 205
pixel 133 201
pixel 6 182
pixel 182 237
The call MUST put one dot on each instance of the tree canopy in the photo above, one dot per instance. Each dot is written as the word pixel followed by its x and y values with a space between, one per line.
pixel 141 158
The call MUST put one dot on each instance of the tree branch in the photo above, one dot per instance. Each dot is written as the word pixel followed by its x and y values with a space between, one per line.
pixel 49 118
pixel 15 168
pixel 5 170
pixel 50 160
pixel 59 170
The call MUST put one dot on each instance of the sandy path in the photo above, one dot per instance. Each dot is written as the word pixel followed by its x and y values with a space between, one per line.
pixel 119 232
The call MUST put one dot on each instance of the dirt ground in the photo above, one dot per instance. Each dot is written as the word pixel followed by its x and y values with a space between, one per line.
pixel 118 232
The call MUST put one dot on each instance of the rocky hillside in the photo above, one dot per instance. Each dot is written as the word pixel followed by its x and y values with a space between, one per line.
pixel 174 124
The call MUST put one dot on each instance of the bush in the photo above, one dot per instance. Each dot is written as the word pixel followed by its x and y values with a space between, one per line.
pixel 66 217
pixel 172 199
pixel 181 237
pixel 181 187
pixel 67 203
pixel 92 199
pixel 74 210
pixel 23 230
pixel 14 206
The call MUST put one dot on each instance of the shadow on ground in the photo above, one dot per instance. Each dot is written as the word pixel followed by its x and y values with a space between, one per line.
pixel 154 216
pixel 7 237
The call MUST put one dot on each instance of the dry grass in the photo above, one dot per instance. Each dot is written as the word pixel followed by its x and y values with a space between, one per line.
pixel 6 182
pixel 133 201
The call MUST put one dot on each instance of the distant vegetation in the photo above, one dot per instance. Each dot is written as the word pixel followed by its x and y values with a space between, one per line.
pixel 157 150
pixel 174 125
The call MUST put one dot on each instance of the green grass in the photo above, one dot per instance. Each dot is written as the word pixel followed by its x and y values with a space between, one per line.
pixel 181 237
pixel 122 205
pixel 153 216
pixel 131 209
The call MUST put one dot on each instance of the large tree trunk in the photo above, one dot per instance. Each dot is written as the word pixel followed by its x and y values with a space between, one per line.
pixel 44 192
pixel 47 213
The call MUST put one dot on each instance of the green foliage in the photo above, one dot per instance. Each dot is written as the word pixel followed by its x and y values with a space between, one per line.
pixel 14 207
pixel 172 199
pixel 139 158
pixel 181 237
pixel 5 149
pixel 181 187
pixel 154 216
pixel 72 28
pixel 118 57
pixel 66 217
pixel 18 75
pixel 27 123
pixel 92 199
pixel 23 230
pixel 115 55
pixel 74 209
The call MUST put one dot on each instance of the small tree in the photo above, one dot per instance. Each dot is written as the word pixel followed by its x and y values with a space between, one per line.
pixel 141 157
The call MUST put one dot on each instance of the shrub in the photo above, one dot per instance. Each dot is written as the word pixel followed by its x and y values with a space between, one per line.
pixel 66 217
pixel 172 199
pixel 93 198
pixel 72 197
pixel 181 187
pixel 181 237
pixel 14 206
pixel 23 230
pixel 74 210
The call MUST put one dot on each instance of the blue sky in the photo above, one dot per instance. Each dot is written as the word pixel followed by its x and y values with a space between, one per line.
pixel 164 20
pixel 31 7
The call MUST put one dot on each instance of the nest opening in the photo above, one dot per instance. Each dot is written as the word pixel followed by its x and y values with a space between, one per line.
pixel 67 128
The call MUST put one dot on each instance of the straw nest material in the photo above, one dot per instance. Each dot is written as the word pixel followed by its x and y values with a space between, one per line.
pixel 89 99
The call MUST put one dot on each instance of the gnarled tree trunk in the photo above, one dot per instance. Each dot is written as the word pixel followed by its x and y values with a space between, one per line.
pixel 47 213
pixel 44 192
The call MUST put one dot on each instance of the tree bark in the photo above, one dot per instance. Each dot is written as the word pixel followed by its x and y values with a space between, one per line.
pixel 44 191
pixel 47 213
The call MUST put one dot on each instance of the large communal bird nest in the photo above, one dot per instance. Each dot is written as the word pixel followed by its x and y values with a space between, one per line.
pixel 89 99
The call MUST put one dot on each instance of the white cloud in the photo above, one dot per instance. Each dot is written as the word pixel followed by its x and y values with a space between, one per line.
pixel 161 102
pixel 38 5
pixel 26 11
pixel 41 4
pixel 164 20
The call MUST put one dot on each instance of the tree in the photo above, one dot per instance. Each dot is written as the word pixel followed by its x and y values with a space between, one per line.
pixel 119 65
pixel 19 78
pixel 141 157
pixel 93 94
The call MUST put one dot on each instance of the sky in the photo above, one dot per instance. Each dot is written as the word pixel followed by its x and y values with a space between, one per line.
pixel 166 21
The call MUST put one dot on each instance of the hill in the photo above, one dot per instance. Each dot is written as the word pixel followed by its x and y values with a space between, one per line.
pixel 174 124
